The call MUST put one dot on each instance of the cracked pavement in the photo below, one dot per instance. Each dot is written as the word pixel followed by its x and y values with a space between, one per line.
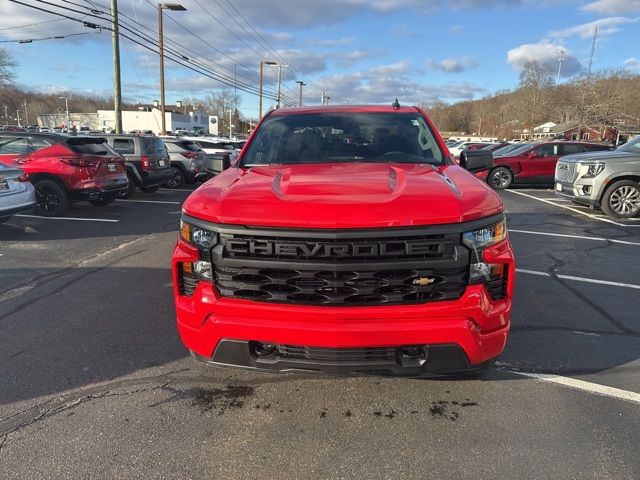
pixel 94 382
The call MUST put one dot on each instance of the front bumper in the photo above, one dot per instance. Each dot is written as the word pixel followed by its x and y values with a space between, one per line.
pixel 474 323
pixel 576 192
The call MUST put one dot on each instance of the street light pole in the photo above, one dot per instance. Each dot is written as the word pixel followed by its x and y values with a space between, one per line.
pixel 302 84
pixel 18 118
pixel 175 7
pixel 6 116
pixel 262 64
pixel 278 96
pixel 26 114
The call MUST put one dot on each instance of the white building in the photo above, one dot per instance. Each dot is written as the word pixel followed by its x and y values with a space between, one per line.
pixel 148 118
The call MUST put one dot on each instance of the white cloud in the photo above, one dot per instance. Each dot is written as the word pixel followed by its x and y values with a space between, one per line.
pixel 331 42
pixel 612 7
pixel 456 29
pixel 351 58
pixel 606 26
pixel 632 63
pixel 383 84
pixel 454 65
pixel 547 55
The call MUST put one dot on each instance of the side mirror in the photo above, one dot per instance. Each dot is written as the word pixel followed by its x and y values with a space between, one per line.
pixel 532 154
pixel 476 160
pixel 226 161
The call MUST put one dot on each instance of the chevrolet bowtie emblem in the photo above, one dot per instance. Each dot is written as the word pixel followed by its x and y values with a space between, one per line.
pixel 424 281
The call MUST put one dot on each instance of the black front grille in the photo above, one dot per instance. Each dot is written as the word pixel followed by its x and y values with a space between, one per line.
pixel 353 287
pixel 337 355
pixel 377 267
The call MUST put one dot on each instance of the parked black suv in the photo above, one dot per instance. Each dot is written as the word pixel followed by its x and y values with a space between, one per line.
pixel 147 161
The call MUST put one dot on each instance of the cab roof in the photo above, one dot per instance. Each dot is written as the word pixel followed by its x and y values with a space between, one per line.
pixel 343 109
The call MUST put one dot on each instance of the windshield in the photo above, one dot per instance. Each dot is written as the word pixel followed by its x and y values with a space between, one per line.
pixel 90 145
pixel 520 150
pixel 344 137
pixel 632 146
pixel 506 149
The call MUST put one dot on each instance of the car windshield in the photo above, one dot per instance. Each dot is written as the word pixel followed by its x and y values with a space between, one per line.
pixel 90 145
pixel 152 145
pixel 520 150
pixel 344 137
pixel 186 145
pixel 506 149
pixel 632 146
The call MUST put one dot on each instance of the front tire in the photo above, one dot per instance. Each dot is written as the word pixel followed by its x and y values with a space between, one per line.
pixel 500 178
pixel 51 198
pixel 622 199
pixel 178 179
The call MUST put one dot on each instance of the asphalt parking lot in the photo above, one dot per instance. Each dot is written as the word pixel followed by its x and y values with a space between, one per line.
pixel 94 382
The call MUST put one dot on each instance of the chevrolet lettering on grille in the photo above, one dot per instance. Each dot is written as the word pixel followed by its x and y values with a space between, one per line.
pixel 328 250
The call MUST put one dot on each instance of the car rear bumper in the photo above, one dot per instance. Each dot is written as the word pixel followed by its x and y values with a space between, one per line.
pixel 98 189
pixel 18 202
pixel 156 177
pixel 7 212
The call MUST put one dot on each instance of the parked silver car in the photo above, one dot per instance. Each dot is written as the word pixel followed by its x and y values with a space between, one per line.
pixel 15 196
pixel 609 180
pixel 187 162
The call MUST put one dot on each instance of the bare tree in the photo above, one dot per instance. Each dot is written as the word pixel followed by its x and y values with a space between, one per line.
pixel 536 82
pixel 7 66
pixel 221 103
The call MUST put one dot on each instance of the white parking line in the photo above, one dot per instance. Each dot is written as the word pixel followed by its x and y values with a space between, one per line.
pixel 575 210
pixel 581 237
pixel 176 190
pixel 579 279
pixel 149 201
pixel 590 387
pixel 70 218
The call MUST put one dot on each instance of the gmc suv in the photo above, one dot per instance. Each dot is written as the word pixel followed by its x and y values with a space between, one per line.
pixel 345 239
pixel 606 180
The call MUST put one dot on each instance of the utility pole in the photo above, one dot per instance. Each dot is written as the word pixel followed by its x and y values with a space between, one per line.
pixel 278 95
pixel 230 120
pixel 175 7
pixel 6 116
pixel 18 118
pixel 560 60
pixel 322 98
pixel 66 103
pixel 326 99
pixel 26 115
pixel 593 48
pixel 302 84
pixel 117 87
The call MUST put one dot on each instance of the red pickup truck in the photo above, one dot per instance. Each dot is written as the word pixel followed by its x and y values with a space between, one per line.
pixel 345 239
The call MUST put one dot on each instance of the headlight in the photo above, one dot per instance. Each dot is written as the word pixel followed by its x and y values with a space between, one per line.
pixel 197 235
pixel 485 237
pixel 477 241
pixel 591 169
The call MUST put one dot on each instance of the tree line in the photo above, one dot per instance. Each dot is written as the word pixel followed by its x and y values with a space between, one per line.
pixel 595 99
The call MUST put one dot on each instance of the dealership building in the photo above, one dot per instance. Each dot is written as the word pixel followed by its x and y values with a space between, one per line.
pixel 143 118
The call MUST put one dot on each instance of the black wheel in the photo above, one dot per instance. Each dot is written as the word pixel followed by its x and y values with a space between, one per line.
pixel 51 198
pixel 500 178
pixel 103 202
pixel 178 179
pixel 622 199
pixel 150 189
pixel 131 189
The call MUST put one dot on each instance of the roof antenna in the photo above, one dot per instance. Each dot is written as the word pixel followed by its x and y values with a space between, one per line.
pixel 396 105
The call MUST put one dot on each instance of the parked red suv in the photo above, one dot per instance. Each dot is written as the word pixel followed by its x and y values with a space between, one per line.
pixel 344 239
pixel 535 163
pixel 65 169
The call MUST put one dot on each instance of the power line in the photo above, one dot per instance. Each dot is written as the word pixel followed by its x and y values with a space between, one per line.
pixel 171 54
pixel 57 37
pixel 29 25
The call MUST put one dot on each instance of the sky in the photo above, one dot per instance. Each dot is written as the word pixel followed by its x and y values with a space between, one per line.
pixel 356 51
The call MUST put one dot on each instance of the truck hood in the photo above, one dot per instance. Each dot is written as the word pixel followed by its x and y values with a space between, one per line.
pixel 595 156
pixel 347 195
